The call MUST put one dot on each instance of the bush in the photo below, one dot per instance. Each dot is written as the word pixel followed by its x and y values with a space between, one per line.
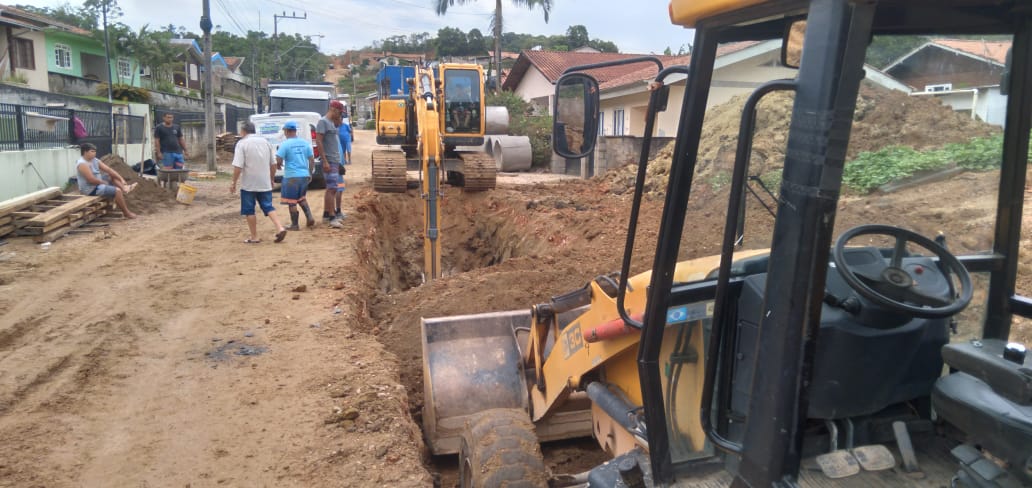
pixel 125 93
pixel 522 123
pixel 873 169
pixel 370 124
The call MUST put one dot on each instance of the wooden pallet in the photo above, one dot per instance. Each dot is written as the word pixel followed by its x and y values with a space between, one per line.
pixel 50 219
pixel 14 210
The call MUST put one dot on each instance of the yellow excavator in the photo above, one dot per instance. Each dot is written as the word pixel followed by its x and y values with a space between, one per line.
pixel 794 359
pixel 436 117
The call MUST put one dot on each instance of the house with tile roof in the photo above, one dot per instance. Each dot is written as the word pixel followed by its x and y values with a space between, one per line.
pixel 740 68
pixel 47 54
pixel 964 73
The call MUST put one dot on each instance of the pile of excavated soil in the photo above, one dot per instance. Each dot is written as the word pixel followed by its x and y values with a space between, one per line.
pixel 147 196
pixel 883 118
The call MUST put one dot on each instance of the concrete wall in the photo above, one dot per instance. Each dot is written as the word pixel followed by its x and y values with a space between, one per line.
pixel 35 78
pixel 193 135
pixel 616 151
pixel 72 85
pixel 55 167
pixel 27 96
pixel 176 102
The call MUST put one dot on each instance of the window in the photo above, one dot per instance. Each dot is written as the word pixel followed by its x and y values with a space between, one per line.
pixel 63 56
pixel 125 69
pixel 24 55
pixel 618 120
pixel 601 123
pixel 939 88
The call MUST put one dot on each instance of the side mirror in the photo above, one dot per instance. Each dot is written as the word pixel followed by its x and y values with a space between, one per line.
pixel 792 44
pixel 575 119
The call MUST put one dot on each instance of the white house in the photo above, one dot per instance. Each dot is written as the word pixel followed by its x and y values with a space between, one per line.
pixel 964 74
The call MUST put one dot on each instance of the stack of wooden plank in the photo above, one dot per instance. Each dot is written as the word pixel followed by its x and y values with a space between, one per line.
pixel 47 214
pixel 226 141
pixel 11 210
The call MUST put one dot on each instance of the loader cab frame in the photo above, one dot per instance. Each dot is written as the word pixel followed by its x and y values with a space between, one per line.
pixel 769 452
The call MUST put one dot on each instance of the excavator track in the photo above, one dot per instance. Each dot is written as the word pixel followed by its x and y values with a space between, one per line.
pixel 389 171
pixel 478 171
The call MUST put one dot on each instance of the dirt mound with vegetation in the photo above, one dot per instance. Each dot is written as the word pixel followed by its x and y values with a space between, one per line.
pixel 882 118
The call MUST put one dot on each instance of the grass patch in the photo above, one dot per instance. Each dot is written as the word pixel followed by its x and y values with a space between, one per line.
pixel 871 170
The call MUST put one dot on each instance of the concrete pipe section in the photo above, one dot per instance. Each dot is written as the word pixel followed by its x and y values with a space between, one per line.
pixel 497 120
pixel 512 153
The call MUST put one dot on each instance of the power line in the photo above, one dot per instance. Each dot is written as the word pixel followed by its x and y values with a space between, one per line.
pixel 232 20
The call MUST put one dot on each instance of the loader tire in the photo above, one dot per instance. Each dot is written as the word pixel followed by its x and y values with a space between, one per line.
pixel 499 449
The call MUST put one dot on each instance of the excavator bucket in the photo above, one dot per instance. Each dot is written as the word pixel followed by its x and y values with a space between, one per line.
pixel 470 363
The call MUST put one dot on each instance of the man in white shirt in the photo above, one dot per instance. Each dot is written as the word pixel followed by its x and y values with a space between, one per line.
pixel 254 166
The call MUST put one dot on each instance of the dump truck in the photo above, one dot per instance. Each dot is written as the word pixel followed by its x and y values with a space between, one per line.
pixel 820 354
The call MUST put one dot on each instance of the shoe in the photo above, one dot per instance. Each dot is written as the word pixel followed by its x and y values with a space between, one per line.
pixel 340 215
pixel 310 223
pixel 336 224
pixel 294 228
pixel 326 219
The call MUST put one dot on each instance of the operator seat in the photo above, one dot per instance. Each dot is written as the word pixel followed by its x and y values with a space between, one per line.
pixel 990 399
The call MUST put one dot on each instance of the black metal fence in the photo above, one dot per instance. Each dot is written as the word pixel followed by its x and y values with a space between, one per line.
pixel 29 127
pixel 236 116
pixel 184 117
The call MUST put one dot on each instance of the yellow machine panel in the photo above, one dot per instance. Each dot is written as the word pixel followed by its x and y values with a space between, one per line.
pixel 687 12
pixel 390 118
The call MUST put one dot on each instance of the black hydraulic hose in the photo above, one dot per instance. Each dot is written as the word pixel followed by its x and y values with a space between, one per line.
pixel 639 188
pixel 738 181
pixel 614 406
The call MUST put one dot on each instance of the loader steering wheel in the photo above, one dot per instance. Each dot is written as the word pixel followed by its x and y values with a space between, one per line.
pixel 893 286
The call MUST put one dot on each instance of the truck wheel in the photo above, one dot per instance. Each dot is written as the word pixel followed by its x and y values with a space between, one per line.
pixel 500 450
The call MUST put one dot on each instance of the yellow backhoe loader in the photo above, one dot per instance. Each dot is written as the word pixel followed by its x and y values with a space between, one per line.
pixel 794 359
pixel 437 118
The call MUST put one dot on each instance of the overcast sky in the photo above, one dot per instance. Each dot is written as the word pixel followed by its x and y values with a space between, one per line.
pixel 635 27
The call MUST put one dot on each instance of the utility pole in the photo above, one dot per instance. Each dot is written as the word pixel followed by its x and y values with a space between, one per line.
pixel 275 36
pixel 209 94
pixel 107 60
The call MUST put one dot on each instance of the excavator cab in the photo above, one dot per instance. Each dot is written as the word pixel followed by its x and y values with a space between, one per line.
pixel 851 322
pixel 848 335
pixel 462 102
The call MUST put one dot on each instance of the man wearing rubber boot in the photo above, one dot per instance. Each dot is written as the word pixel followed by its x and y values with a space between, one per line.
pixel 296 158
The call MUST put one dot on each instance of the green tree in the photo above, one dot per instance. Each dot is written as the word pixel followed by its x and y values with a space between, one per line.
pixel 668 52
pixel 496 21
pixel 886 49
pixel 95 10
pixel 451 42
pixel 577 36
pixel 65 13
pixel 475 40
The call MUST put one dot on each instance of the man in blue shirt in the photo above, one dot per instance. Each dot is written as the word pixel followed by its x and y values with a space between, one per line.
pixel 345 142
pixel 296 158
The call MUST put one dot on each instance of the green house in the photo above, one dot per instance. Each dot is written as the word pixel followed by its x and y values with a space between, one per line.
pixel 52 56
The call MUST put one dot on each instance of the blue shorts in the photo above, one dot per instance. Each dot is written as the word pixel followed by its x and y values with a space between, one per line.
pixel 334 183
pixel 249 198
pixel 106 191
pixel 294 190
pixel 172 160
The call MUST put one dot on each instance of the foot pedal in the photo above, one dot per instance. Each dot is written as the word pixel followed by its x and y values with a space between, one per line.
pixel 875 457
pixel 838 464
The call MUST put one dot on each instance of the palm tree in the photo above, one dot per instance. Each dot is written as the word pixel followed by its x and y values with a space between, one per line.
pixel 496 23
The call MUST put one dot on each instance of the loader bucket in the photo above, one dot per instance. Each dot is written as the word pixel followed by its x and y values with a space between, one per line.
pixel 470 363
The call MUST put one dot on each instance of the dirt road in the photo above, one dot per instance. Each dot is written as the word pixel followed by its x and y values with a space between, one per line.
pixel 165 352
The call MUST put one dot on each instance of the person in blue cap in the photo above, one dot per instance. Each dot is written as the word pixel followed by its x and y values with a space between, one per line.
pixel 297 160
